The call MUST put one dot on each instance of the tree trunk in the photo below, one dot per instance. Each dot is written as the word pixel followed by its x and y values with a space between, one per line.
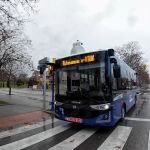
pixel 9 86
pixel 3 84
pixel 9 90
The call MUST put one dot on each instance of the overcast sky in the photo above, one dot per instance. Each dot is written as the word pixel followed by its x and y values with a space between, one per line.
pixel 99 24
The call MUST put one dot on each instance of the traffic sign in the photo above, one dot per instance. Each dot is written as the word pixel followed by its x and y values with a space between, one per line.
pixel 44 60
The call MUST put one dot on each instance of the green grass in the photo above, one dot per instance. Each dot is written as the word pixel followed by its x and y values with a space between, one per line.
pixel 21 86
pixel 3 103
pixel 13 86
pixel 1 84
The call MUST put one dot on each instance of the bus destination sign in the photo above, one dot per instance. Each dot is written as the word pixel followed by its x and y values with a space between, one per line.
pixel 84 59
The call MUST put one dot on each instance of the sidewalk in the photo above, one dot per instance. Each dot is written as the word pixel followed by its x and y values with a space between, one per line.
pixel 16 109
pixel 25 106
pixel 25 118
pixel 26 91
pixel 26 99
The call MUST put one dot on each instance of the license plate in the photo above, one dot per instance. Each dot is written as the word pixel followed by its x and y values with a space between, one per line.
pixel 78 120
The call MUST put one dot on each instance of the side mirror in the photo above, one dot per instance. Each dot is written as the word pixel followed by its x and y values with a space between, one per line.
pixel 117 71
pixel 42 68
pixel 113 61
pixel 111 52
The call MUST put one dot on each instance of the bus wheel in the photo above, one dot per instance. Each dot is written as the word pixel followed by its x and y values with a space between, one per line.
pixel 135 101
pixel 123 111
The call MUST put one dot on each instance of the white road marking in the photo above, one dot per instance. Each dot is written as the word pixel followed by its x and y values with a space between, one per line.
pixel 75 140
pixel 25 128
pixel 26 142
pixel 137 119
pixel 117 139
pixel 149 141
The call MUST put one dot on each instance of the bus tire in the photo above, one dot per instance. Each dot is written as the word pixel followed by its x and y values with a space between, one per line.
pixel 123 111
pixel 135 101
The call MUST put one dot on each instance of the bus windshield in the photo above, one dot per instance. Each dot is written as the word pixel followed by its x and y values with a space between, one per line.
pixel 81 83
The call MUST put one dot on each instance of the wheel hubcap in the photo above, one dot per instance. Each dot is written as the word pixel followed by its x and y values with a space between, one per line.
pixel 123 113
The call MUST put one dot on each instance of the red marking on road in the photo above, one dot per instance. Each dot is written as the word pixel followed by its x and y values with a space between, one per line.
pixel 26 118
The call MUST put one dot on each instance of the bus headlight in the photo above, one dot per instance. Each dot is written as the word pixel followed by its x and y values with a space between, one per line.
pixel 58 103
pixel 101 106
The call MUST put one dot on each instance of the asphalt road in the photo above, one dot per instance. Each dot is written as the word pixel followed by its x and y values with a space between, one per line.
pixel 131 134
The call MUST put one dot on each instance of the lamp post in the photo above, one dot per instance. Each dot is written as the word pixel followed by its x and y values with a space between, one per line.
pixel 43 64
pixel 52 76
pixel 52 102
pixel 42 67
pixel 44 89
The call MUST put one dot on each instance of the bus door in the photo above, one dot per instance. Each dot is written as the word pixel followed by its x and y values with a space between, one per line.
pixel 117 97
pixel 75 81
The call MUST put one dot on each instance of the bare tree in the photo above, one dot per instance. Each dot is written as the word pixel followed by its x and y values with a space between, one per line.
pixel 13 42
pixel 13 69
pixel 13 14
pixel 143 75
pixel 3 77
pixel 15 11
pixel 13 53
pixel 132 54
pixel 14 48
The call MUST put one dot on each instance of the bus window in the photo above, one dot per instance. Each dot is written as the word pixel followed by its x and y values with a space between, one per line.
pixel 62 82
pixel 82 82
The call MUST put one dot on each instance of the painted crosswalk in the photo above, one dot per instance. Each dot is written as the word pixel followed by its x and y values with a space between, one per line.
pixel 117 139
pixel 149 141
pixel 26 128
pixel 69 136
pixel 137 119
pixel 74 140
pixel 34 139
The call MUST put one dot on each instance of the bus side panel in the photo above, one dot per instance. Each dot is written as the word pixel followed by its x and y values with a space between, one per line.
pixel 116 110
pixel 129 99
pixel 126 100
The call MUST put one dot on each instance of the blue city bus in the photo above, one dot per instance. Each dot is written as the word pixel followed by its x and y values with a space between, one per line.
pixel 95 88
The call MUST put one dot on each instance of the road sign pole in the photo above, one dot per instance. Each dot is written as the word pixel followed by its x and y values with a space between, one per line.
pixel 42 67
pixel 52 102
pixel 44 90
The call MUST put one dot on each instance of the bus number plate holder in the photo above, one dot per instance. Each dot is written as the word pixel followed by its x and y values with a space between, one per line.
pixel 78 120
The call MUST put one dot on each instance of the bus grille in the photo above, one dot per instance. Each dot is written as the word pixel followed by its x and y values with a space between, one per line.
pixel 82 113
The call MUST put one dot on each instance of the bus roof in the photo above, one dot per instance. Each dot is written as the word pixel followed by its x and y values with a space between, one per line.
pixel 119 60
pixel 85 53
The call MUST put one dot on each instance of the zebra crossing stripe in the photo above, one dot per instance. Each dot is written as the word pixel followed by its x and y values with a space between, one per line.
pixel 25 128
pixel 149 141
pixel 26 142
pixel 117 139
pixel 137 119
pixel 75 140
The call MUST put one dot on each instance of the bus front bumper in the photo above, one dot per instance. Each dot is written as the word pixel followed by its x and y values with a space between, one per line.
pixel 101 120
